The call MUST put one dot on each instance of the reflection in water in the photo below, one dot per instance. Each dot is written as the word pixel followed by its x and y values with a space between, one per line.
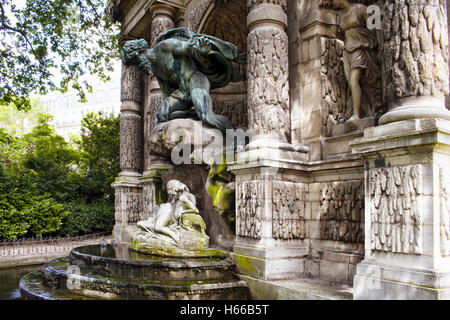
pixel 9 281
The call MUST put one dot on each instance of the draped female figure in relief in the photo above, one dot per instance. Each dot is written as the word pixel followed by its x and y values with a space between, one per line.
pixel 360 56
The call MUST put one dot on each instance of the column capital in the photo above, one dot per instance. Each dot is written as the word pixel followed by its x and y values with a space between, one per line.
pixel 159 9
pixel 252 4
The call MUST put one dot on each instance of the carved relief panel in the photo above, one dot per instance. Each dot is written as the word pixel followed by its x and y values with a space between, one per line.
pixel 444 206
pixel 395 196
pixel 249 206
pixel 233 110
pixel 288 209
pixel 130 142
pixel 128 205
pixel 342 211
pixel 268 81
pixel 335 93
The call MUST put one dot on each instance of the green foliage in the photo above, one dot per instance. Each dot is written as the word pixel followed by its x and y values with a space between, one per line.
pixel 100 145
pixel 50 186
pixel 42 37
pixel 85 218
pixel 53 161
pixel 23 211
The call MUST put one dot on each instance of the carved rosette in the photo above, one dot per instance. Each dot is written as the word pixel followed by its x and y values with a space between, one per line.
pixel 342 211
pixel 395 196
pixel 268 68
pixel 128 205
pixel 130 142
pixel 288 209
pixel 415 48
pixel 249 206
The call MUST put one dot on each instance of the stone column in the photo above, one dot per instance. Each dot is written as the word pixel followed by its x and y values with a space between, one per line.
pixel 415 59
pixel 128 191
pixel 163 20
pixel 407 229
pixel 270 220
pixel 268 78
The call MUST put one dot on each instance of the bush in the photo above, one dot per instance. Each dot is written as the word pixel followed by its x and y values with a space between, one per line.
pixel 50 186
pixel 100 144
pixel 85 218
pixel 25 212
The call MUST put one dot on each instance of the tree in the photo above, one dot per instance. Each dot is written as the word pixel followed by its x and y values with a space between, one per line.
pixel 100 144
pixel 51 186
pixel 43 37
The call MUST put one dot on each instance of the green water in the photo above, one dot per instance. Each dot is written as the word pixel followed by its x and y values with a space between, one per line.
pixel 9 281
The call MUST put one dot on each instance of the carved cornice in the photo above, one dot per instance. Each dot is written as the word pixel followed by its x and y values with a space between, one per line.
pixel 136 15
pixel 281 3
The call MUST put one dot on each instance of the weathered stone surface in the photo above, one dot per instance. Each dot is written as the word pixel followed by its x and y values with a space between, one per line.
pixel 415 49
pixel 191 244
pixel 268 85
pixel 342 211
pixel 114 273
pixel 186 135
pixel 196 178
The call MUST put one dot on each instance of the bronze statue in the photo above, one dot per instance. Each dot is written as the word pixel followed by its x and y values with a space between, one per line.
pixel 187 66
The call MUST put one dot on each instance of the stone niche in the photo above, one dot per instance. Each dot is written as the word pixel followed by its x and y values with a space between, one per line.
pixel 317 197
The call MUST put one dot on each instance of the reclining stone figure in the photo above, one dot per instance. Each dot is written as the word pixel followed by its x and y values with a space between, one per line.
pixel 179 212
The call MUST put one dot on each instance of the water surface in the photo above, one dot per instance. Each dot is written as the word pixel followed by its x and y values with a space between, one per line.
pixel 9 281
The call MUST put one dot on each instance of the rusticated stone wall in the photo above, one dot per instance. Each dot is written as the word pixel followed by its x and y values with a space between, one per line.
pixel 342 211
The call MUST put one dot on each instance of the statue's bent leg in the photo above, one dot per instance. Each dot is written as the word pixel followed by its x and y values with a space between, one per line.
pixel 168 106
pixel 203 104
pixel 161 226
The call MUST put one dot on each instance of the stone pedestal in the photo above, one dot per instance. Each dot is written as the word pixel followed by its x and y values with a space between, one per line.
pixel 270 227
pixel 152 187
pixel 270 223
pixel 406 211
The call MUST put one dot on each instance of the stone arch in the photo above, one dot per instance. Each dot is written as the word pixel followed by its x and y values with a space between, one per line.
pixel 227 20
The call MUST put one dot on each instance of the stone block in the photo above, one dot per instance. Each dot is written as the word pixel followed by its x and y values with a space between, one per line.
pixel 334 271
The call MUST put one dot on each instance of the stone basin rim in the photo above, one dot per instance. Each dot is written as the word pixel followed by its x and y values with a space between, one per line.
pixel 187 263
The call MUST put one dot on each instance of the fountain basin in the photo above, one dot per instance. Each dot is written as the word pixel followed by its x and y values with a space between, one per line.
pixel 95 272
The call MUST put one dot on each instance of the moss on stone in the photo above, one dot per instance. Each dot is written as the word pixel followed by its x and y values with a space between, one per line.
pixel 222 196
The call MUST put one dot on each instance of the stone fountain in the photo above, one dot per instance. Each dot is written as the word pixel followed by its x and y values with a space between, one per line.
pixel 168 258
pixel 169 254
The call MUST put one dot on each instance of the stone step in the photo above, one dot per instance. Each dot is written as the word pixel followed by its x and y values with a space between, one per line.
pixel 297 289
pixel 55 277
pixel 32 287
pixel 129 264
